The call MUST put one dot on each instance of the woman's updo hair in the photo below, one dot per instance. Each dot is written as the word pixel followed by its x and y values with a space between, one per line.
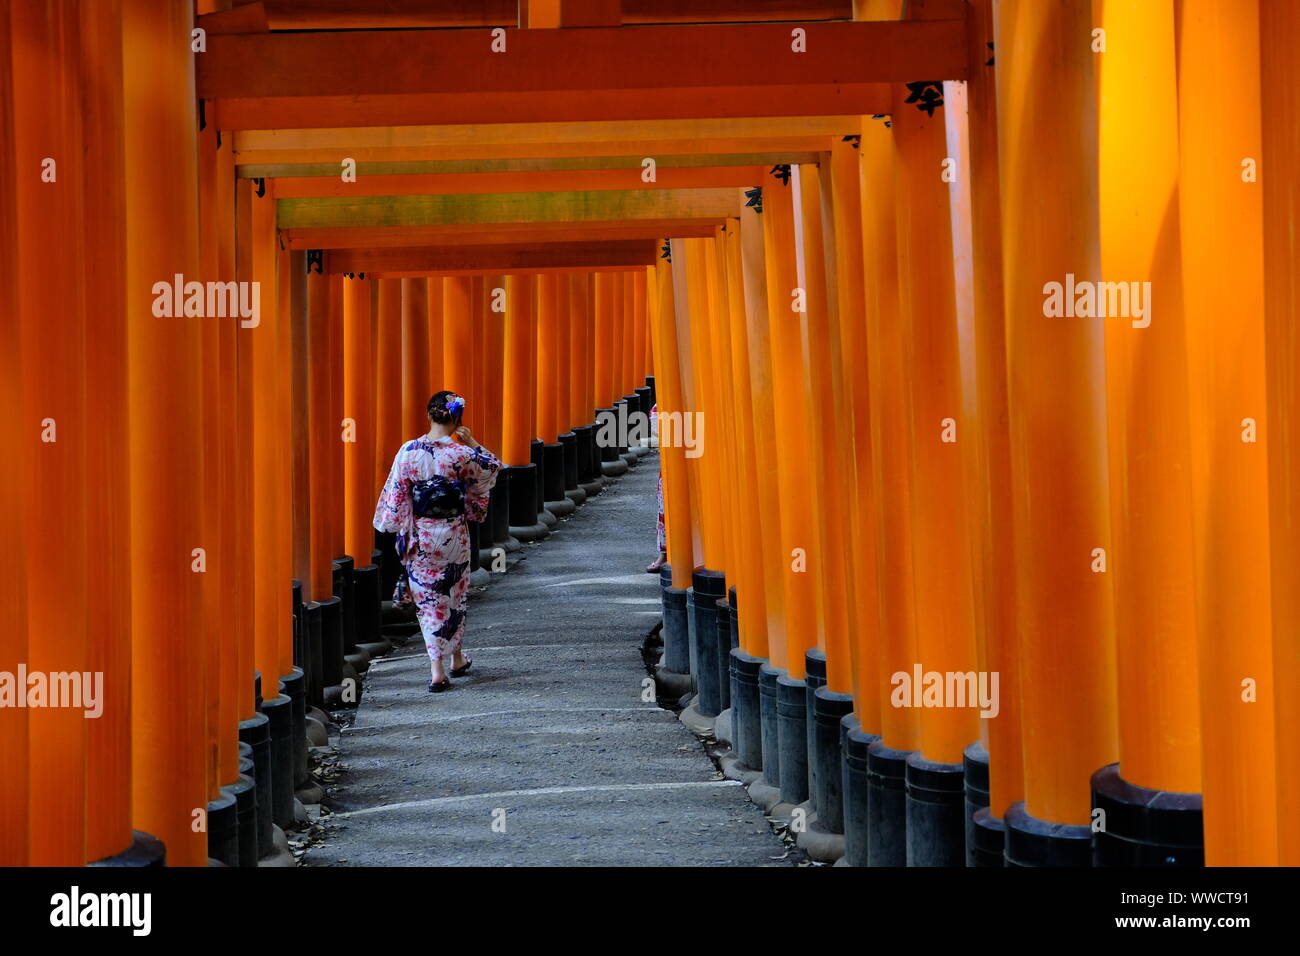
pixel 446 408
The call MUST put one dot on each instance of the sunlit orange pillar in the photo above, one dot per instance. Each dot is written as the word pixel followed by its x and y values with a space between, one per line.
pixel 52 344
pixel 168 770
pixel 937 420
pixel 675 666
pixel 889 379
pixel 580 409
pixel 998 753
pixel 1047 144
pixel 1222 230
pixel 548 388
pixel 1279 32
pixel 358 421
pixel 1150 488
pixel 564 422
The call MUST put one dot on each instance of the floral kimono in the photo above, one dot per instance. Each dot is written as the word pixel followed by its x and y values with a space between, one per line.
pixel 435 551
pixel 661 533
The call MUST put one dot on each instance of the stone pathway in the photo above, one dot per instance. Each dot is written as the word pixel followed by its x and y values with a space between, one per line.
pixel 548 734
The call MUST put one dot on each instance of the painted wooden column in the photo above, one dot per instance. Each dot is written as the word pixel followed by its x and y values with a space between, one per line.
pixel 19 443
pixel 889 379
pixel 416 387
pixel 1222 226
pixel 437 356
pixel 168 771
pixel 108 737
pixel 492 322
pixel 519 393
pixel 1150 453
pixel 849 295
pixel 359 411
pixel 677 491
pixel 388 379
pixel 1279 32
pixel 271 458
pixel 457 343
pixel 936 420
pixel 1047 144
pixel 48 185
pixel 997 757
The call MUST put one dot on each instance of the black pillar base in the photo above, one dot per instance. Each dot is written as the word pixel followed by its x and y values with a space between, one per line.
pixel 676 631
pixel 814 677
pixel 569 456
pixel 1145 827
pixel 886 805
pixel 369 609
pixel 315 666
pixel 650 384
pixel 390 568
pixel 825 760
pixel 279 710
pixel 975 773
pixel 988 840
pixel 294 686
pixel 606 434
pixel 746 719
pixel 792 733
pixel 553 496
pixel 344 591
pixel 769 723
pixel 299 627
pixel 244 790
pixel 643 399
pixel 854 743
pixel 536 457
pixel 145 850
pixel 499 515
pixel 1035 842
pixel 936 813
pixel 256 732
pixel 331 642
pixel 223 829
pixel 722 655
pixel 707 586
pixel 522 483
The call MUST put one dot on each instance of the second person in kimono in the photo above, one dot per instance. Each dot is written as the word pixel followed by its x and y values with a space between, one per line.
pixel 438 483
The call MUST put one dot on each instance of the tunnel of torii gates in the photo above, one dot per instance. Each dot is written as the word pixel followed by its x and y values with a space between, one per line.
pixel 826 235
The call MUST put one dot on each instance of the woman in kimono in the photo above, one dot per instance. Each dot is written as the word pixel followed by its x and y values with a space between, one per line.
pixel 438 482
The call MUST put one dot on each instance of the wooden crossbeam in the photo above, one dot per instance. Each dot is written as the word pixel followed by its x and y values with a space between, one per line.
pixel 549 181
pixel 396 77
pixel 494 258
pixel 625 139
pixel 251 16
pixel 502 208
pixel 460 167
pixel 387 237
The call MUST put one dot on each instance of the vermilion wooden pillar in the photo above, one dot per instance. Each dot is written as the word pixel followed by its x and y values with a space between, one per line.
pixel 388 379
pixel 1222 228
pixel 416 388
pixel 359 407
pixel 437 356
pixel 1047 148
pixel 547 362
pixel 751 589
pixel 992 486
pixel 49 264
pixel 799 537
pixel 518 378
pixel 1150 478
pixel 108 738
pixel 323 434
pixel 831 427
pixel 271 464
pixel 492 351
pixel 677 494
pixel 19 441
pixel 1279 32
pixel 895 646
pixel 168 778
